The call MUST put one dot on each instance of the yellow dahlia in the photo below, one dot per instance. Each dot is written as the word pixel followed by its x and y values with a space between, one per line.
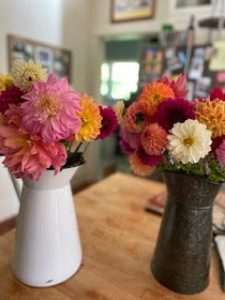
pixel 212 113
pixel 26 73
pixel 139 168
pixel 189 141
pixel 119 110
pixel 153 94
pixel 5 81
pixel 90 120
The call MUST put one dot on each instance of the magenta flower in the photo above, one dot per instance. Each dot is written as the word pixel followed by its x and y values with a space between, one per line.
pixel 125 147
pixel 146 159
pixel 109 122
pixel 217 93
pixel 173 111
pixel 51 110
pixel 216 142
pixel 220 153
pixel 11 95
pixel 179 86
pixel 132 139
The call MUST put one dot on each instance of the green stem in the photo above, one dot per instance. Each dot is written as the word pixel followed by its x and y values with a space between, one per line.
pixel 78 147
pixel 70 146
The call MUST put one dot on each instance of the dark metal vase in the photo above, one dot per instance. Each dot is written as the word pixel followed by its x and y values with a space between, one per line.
pixel 182 255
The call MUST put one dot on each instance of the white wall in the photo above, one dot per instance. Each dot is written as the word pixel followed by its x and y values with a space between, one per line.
pixel 35 19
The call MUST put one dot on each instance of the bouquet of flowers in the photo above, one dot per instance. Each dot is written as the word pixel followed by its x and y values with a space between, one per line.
pixel 44 122
pixel 163 130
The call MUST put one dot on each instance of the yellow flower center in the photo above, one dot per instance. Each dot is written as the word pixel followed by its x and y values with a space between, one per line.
pixel 156 98
pixel 48 106
pixel 188 141
pixel 84 120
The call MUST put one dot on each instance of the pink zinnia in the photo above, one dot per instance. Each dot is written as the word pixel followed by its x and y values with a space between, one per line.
pixel 109 122
pixel 154 139
pixel 11 95
pixel 51 110
pixel 220 153
pixel 173 111
pixel 179 86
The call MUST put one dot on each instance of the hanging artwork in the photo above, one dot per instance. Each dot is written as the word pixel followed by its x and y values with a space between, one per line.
pixel 53 58
pixel 129 10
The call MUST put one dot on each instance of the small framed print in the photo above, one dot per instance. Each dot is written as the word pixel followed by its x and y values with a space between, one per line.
pixel 129 10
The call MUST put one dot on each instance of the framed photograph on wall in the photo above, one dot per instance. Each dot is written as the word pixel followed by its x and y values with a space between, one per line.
pixel 55 59
pixel 130 10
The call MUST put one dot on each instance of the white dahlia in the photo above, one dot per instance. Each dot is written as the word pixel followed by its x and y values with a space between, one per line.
pixel 189 141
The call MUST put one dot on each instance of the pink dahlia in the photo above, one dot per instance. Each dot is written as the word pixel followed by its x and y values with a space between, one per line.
pixel 173 111
pixel 109 122
pixel 135 117
pixel 11 95
pixel 217 93
pixel 179 85
pixel 146 159
pixel 220 153
pixel 51 110
pixel 25 155
pixel 154 139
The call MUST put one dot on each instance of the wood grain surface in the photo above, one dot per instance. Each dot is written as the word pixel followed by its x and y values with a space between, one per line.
pixel 118 239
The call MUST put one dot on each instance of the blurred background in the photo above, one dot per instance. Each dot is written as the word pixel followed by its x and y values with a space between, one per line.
pixel 111 49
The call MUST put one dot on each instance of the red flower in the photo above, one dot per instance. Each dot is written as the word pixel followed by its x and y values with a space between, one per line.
pixel 109 122
pixel 216 142
pixel 173 111
pixel 11 95
pixel 217 93
pixel 146 159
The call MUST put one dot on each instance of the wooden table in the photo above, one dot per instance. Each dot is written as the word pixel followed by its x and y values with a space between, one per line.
pixel 118 239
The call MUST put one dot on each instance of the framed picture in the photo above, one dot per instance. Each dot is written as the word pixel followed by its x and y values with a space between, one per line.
pixel 54 59
pixel 131 10
pixel 188 3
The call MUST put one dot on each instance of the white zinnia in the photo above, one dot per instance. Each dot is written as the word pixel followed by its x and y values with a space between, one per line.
pixel 189 141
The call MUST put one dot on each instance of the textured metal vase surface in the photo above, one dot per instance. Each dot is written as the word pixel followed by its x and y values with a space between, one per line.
pixel 182 255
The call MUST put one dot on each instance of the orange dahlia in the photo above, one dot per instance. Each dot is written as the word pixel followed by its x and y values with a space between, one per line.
pixel 137 167
pixel 153 94
pixel 90 120
pixel 212 113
